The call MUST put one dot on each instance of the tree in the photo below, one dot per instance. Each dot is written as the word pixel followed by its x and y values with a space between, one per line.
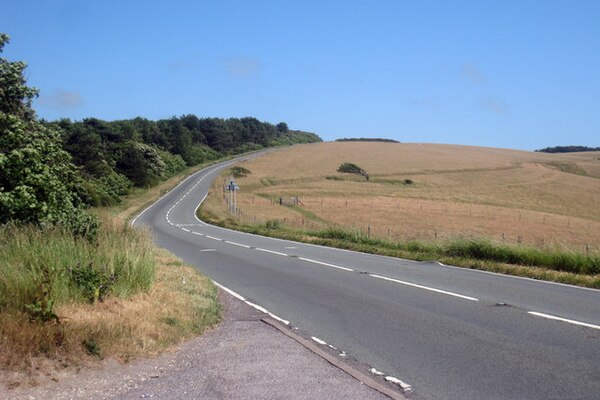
pixel 350 168
pixel 38 182
pixel 282 127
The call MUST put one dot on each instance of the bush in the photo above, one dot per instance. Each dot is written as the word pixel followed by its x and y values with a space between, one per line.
pixel 350 168
pixel 240 172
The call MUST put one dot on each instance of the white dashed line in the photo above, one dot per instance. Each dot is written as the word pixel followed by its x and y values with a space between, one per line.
pixel 207 250
pixel 424 287
pixel 214 238
pixel 271 251
pixel 238 244
pixel 570 321
pixel 325 264
pixel 198 233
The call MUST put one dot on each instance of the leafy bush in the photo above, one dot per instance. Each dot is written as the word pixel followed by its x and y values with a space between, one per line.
pixel 239 172
pixel 350 168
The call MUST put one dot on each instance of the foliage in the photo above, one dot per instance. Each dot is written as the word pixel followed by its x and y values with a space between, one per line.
pixel 38 183
pixel 48 267
pixel 240 172
pixel 567 149
pixel 146 152
pixel 94 281
pixel 367 140
pixel 350 168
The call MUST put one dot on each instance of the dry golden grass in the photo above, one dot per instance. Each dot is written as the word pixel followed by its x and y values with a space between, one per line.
pixel 459 191
pixel 181 304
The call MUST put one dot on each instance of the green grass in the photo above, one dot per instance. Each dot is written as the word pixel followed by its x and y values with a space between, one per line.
pixel 548 264
pixel 40 265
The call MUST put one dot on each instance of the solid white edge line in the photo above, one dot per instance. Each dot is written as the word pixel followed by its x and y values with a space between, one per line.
pixel 325 264
pixel 231 292
pixel 397 381
pixel 424 287
pixel 570 321
pixel 316 339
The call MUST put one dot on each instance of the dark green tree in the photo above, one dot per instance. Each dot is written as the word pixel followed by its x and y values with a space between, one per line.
pixel 38 183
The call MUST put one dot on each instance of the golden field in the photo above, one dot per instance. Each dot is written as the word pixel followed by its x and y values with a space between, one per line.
pixel 457 191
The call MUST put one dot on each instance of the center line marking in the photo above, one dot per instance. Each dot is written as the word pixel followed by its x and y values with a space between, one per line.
pixel 424 287
pixel 570 321
pixel 271 251
pixel 237 244
pixel 325 264
pixel 213 238
pixel 206 250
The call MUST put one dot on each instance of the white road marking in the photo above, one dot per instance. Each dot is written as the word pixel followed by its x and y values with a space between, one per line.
pixel 397 381
pixel 185 230
pixel 570 321
pixel 285 321
pixel 198 233
pixel 214 238
pixel 424 287
pixel 207 250
pixel 231 292
pixel 271 251
pixel 290 247
pixel 259 308
pixel 325 264
pixel 238 244
pixel 316 339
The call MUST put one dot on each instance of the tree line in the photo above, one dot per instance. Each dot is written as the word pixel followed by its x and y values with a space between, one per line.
pixel 567 149
pixel 114 156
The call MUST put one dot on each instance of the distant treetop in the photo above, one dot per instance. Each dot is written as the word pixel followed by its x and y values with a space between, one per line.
pixel 367 140
pixel 567 149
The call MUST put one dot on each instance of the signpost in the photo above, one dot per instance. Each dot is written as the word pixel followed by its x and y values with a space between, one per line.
pixel 232 187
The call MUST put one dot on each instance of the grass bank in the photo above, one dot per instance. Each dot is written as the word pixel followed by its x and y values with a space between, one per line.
pixel 552 264
pixel 65 301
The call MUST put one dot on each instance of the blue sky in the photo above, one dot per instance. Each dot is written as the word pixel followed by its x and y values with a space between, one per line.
pixel 516 74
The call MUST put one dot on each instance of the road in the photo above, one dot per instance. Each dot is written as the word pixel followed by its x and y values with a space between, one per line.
pixel 450 333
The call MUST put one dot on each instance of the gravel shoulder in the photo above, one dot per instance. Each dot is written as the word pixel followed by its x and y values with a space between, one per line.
pixel 242 358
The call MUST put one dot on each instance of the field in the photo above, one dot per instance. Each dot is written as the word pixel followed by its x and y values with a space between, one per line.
pixel 426 192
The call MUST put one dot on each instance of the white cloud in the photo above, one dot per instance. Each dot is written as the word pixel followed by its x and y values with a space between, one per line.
pixel 474 74
pixel 61 99
pixel 243 67
pixel 494 104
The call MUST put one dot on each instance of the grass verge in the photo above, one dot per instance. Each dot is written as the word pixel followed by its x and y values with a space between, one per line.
pixel 554 265
pixel 65 302
pixel 154 300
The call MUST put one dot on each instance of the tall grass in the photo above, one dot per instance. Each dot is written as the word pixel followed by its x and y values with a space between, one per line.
pixel 555 264
pixel 38 263
pixel 480 249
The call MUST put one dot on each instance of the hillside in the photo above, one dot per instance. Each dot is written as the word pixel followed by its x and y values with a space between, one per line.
pixel 456 191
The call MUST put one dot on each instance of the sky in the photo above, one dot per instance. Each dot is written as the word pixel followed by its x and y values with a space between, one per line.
pixel 512 74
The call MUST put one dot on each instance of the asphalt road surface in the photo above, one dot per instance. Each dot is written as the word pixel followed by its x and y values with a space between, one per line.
pixel 450 333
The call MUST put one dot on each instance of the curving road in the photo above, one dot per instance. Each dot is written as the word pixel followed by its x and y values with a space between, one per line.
pixel 450 333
